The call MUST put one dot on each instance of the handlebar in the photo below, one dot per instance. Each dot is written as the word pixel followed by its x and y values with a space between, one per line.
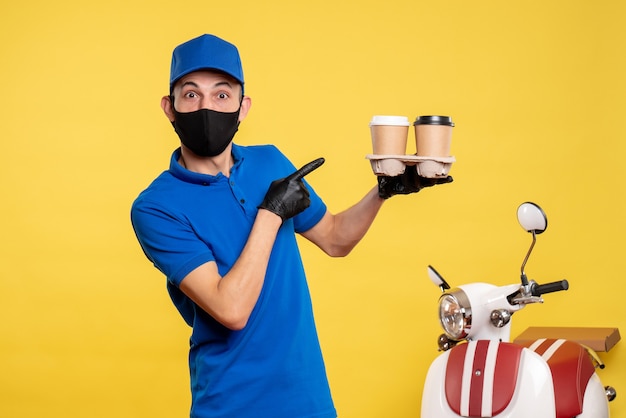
pixel 540 289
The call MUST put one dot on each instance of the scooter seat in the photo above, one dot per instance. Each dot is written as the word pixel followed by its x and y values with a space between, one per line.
pixel 571 370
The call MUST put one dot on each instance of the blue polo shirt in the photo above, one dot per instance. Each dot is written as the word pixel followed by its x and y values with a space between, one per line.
pixel 273 367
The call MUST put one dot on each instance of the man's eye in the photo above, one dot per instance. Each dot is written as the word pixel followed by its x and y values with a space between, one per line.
pixel 191 95
pixel 223 96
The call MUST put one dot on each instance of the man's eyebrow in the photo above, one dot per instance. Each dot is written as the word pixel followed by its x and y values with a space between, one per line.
pixel 223 83
pixel 190 83
pixel 218 84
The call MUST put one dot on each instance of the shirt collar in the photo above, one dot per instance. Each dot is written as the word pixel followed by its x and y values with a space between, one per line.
pixel 180 172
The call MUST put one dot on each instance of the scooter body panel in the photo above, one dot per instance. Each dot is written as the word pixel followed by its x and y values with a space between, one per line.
pixel 533 395
pixel 595 402
pixel 578 390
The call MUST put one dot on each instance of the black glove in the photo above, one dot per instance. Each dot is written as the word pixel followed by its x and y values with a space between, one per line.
pixel 407 182
pixel 288 196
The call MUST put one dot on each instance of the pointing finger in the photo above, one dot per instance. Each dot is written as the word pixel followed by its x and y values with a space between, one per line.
pixel 306 169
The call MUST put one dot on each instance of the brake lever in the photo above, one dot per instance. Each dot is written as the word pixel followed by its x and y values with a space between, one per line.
pixel 526 300
pixel 525 295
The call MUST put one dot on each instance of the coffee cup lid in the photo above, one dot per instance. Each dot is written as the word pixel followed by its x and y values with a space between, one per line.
pixel 433 120
pixel 390 120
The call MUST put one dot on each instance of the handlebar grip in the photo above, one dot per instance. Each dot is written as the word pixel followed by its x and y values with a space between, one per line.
pixel 541 289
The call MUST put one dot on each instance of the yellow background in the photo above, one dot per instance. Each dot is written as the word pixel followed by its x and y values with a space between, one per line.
pixel 537 92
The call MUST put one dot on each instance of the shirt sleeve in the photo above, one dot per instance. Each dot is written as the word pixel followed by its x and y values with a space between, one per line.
pixel 168 242
pixel 308 218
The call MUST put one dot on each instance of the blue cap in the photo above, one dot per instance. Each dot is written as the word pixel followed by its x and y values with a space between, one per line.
pixel 206 52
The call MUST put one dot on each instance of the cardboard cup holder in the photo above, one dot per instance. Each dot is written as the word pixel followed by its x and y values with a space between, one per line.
pixel 394 165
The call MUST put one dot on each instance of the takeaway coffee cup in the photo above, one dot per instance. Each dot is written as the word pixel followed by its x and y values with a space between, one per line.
pixel 389 134
pixel 433 135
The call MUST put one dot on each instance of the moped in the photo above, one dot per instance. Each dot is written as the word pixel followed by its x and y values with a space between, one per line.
pixel 482 374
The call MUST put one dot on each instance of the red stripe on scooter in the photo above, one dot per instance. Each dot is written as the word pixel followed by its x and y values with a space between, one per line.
pixel 571 370
pixel 454 377
pixel 543 347
pixel 478 378
pixel 505 377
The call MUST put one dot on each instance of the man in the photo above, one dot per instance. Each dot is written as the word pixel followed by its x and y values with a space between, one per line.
pixel 221 224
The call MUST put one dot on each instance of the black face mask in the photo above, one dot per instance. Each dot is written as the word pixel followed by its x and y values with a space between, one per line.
pixel 206 132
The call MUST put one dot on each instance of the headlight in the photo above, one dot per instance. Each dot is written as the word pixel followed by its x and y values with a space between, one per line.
pixel 455 314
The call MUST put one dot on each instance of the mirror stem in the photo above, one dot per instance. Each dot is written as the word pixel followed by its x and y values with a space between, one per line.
pixel 532 245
